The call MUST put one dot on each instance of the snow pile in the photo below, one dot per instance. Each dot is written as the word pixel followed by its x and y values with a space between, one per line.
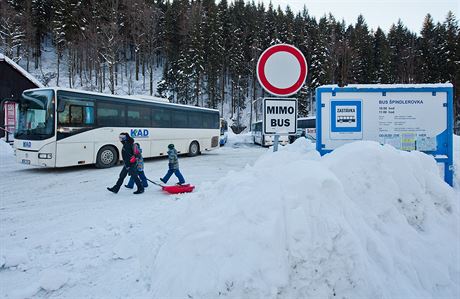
pixel 12 258
pixel 5 149
pixel 457 162
pixel 7 158
pixel 52 279
pixel 243 138
pixel 367 221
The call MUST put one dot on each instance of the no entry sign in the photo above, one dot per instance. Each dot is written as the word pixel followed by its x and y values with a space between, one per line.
pixel 282 70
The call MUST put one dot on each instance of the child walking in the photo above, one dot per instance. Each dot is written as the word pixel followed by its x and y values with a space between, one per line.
pixel 173 166
pixel 140 169
pixel 129 154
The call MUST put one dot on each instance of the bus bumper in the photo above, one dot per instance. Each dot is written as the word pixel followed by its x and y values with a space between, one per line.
pixel 35 158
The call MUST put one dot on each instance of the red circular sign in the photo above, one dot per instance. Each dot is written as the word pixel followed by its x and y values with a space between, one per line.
pixel 282 70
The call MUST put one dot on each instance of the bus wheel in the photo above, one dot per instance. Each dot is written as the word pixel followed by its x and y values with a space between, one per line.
pixel 194 149
pixel 106 157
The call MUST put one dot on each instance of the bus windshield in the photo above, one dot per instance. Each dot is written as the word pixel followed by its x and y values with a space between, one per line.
pixel 36 115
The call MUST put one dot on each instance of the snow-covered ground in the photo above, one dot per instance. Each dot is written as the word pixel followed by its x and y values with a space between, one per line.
pixel 366 221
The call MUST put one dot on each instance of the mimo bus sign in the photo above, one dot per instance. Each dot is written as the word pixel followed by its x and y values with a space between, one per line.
pixel 281 71
pixel 407 116
pixel 280 116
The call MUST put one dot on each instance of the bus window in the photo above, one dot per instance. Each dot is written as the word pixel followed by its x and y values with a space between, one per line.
pixel 75 112
pixel 161 118
pixel 179 119
pixel 210 120
pixel 89 115
pixel 111 114
pixel 195 120
pixel 75 115
pixel 138 116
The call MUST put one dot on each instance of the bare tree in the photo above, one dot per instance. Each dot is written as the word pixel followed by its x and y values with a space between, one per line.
pixel 11 32
pixel 110 43
pixel 150 19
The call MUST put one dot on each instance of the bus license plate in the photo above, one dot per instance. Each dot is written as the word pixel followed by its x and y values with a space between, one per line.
pixel 24 161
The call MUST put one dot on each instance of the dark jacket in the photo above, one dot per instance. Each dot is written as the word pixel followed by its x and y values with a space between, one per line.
pixel 127 152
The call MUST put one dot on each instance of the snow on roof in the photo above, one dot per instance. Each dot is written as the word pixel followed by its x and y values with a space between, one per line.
pixel 21 70
pixel 124 97
pixel 145 97
pixel 389 86
pixel 307 117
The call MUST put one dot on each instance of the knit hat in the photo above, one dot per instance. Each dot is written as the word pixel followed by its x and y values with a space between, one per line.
pixel 171 146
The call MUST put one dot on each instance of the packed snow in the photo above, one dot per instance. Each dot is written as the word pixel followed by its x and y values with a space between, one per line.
pixel 366 221
pixel 456 162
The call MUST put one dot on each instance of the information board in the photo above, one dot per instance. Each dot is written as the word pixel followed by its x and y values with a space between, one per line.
pixel 408 117
pixel 280 116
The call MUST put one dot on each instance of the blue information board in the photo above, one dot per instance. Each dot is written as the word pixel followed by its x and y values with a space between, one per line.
pixel 406 116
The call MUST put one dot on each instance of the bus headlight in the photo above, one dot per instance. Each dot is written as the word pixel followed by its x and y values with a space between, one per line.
pixel 45 156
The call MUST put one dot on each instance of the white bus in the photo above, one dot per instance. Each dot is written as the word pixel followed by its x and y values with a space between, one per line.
pixel 306 127
pixel 64 127
pixel 259 137
pixel 223 132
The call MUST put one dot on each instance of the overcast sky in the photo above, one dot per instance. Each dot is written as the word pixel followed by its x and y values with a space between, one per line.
pixel 381 13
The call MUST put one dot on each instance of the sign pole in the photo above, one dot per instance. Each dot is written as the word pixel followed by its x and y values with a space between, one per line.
pixel 281 70
pixel 275 144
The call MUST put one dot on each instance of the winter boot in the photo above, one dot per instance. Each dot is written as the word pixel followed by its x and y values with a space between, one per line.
pixel 114 189
pixel 161 179
pixel 138 191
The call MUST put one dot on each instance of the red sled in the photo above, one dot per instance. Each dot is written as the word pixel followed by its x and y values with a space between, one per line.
pixel 178 189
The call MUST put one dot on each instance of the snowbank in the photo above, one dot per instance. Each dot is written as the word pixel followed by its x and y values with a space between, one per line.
pixel 52 280
pixel 367 221
pixel 5 149
pixel 457 162
pixel 243 138
pixel 7 157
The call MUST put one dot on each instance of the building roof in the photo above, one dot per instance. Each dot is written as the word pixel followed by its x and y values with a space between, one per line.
pixel 21 70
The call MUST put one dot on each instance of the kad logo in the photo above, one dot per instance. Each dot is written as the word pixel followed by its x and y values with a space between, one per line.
pixel 143 133
pixel 26 144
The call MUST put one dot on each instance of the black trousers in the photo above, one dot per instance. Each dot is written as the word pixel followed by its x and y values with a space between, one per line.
pixel 133 173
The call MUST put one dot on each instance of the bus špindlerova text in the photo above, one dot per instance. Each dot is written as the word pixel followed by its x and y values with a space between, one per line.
pixel 64 127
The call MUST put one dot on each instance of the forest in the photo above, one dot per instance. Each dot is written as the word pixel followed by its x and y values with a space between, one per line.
pixel 207 50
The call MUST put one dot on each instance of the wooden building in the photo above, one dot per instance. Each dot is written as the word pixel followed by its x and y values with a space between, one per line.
pixel 13 81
